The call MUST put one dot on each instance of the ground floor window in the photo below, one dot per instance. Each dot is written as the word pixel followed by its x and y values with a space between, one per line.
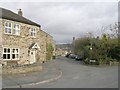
pixel 11 53
pixel 6 53
pixel 15 53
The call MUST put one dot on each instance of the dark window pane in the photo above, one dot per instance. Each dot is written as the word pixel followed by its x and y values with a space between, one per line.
pixel 8 50
pixel 16 55
pixel 9 30
pixel 4 56
pixel 6 24
pixel 8 56
pixel 9 24
pixel 13 50
pixel 16 50
pixel 13 56
pixel 4 50
pixel 15 26
pixel 5 30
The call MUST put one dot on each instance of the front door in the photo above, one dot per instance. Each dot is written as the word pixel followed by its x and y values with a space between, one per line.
pixel 32 57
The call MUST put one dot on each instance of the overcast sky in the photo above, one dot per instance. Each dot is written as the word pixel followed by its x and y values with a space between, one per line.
pixel 68 19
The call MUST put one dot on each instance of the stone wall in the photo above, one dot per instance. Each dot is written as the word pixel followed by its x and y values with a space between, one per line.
pixel 0 38
pixel 24 41
pixel 50 40
pixel 21 70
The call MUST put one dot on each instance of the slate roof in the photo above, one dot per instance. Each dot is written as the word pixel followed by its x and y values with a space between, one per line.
pixel 7 14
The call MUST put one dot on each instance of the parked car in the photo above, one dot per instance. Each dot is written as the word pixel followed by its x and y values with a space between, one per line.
pixel 78 57
pixel 72 56
pixel 67 55
pixel 94 61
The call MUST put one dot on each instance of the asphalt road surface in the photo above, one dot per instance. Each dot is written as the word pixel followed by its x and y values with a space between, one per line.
pixel 77 75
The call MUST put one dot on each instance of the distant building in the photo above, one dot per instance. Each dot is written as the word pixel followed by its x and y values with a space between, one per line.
pixel 63 49
pixel 59 52
pixel 22 40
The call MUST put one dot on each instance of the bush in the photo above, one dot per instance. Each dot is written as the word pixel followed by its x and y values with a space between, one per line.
pixel 106 60
pixel 86 61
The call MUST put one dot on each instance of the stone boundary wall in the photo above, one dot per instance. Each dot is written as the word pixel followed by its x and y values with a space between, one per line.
pixel 21 69
pixel 0 50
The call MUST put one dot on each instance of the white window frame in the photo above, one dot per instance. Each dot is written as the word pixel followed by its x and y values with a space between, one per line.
pixel 6 53
pixel 16 30
pixel 11 53
pixel 33 32
pixel 15 54
pixel 7 27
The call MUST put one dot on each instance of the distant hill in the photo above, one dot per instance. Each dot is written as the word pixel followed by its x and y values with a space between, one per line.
pixel 64 46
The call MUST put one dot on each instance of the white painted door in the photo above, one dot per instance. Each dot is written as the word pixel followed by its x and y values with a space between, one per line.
pixel 32 57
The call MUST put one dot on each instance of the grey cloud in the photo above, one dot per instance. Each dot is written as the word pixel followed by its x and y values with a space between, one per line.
pixel 65 20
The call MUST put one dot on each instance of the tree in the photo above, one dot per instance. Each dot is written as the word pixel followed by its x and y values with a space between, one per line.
pixel 104 49
pixel 82 47
pixel 114 51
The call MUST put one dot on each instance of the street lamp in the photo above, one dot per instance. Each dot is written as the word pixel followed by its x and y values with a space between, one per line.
pixel 73 45
pixel 91 42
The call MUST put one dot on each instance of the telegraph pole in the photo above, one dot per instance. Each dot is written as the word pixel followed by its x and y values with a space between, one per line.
pixel 73 45
pixel 91 44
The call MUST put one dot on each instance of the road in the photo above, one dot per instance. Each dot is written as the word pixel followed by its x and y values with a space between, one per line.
pixel 77 75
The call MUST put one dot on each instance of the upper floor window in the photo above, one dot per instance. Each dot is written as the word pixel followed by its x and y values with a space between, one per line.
pixel 11 28
pixel 32 32
pixel 16 29
pixel 8 28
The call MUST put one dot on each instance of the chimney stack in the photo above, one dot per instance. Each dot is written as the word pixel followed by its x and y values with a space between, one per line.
pixel 20 12
pixel 73 38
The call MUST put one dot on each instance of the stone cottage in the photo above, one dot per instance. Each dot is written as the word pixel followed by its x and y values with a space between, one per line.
pixel 21 40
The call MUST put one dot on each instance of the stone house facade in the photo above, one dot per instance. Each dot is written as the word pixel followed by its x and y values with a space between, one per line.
pixel 52 42
pixel 21 40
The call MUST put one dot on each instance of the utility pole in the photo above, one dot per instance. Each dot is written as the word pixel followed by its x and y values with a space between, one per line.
pixel 91 44
pixel 73 45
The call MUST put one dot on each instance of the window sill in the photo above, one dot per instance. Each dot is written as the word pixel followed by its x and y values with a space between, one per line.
pixel 33 37
pixel 11 59
pixel 16 35
pixel 7 33
pixel 12 35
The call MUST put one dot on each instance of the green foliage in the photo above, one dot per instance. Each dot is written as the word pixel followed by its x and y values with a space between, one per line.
pixel 49 51
pixel 49 47
pixel 115 53
pixel 82 47
pixel 103 50
pixel 86 61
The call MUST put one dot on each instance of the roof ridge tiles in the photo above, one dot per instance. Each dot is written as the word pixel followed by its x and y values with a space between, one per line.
pixel 8 14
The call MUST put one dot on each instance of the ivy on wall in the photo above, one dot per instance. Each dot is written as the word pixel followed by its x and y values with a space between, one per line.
pixel 49 51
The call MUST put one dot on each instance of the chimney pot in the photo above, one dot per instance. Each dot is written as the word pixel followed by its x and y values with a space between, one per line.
pixel 20 12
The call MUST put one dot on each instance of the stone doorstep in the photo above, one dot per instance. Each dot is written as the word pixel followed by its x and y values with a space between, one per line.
pixel 21 70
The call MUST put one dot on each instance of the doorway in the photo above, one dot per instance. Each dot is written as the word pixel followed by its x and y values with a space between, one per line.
pixel 32 57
